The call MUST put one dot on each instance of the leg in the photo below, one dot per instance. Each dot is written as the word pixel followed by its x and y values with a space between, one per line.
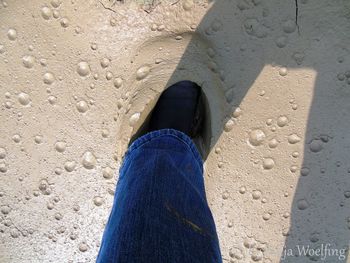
pixel 160 212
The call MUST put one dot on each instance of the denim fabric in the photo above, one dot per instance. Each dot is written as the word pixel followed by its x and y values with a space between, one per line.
pixel 160 212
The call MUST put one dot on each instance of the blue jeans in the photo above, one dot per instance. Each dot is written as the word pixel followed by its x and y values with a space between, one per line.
pixel 160 212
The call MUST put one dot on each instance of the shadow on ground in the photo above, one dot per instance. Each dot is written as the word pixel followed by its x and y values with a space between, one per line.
pixel 248 31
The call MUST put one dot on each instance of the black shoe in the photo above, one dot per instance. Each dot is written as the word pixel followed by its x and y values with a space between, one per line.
pixel 180 107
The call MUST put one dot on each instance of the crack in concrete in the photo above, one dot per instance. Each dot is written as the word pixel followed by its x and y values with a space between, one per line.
pixel 297 15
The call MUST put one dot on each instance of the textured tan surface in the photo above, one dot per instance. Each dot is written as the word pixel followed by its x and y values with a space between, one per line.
pixel 76 77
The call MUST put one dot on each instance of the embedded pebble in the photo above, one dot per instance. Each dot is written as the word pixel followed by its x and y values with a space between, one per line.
pixel 105 62
pixel 50 206
pixel 302 204
pixel 154 27
pixel 242 190
pixel 82 106
pixel 38 139
pixel 111 191
pixel 52 99
pixel 269 122
pixel 83 247
pixel 289 26
pixel 158 61
pixel 273 143
pixel 14 233
pixel 28 61
pixel 3 167
pixel 257 255
pixel 78 29
pixel 256 194
pixel 58 216
pixel 61 230
pixel 46 12
pixel 225 195
pixel 56 14
pixel 55 3
pixel 286 215
pixel 256 137
pixel 282 121
pixel 293 168
pixel 109 75
pixel 94 46
pixel 304 171
pixel 83 68
pixel 44 187
pixel 58 171
pixel 76 207
pixel 266 216
pixel 8 104
pixel 70 166
pixel 211 52
pixel 161 27
pixel 142 72
pixel 118 82
pixel 98 201
pixel 281 42
pixel 12 34
pixel 236 253
pixel 216 25
pixel 347 194
pixel 7 222
pixel 213 66
pixel 268 163
pixel 293 138
pixel 134 118
pixel 105 133
pixel 60 146
pixel 298 57
pixel 73 236
pixel 5 209
pixel 229 125
pixel 89 160
pixel 283 71
pixel 64 22
pixel 3 153
pixel 16 138
pixel 316 145
pixel 107 173
pixel 48 78
pixel 249 242
pixel 295 154
pixel 237 112
pixel 314 237
pixel 187 5
pixel 43 62
pixel 23 98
